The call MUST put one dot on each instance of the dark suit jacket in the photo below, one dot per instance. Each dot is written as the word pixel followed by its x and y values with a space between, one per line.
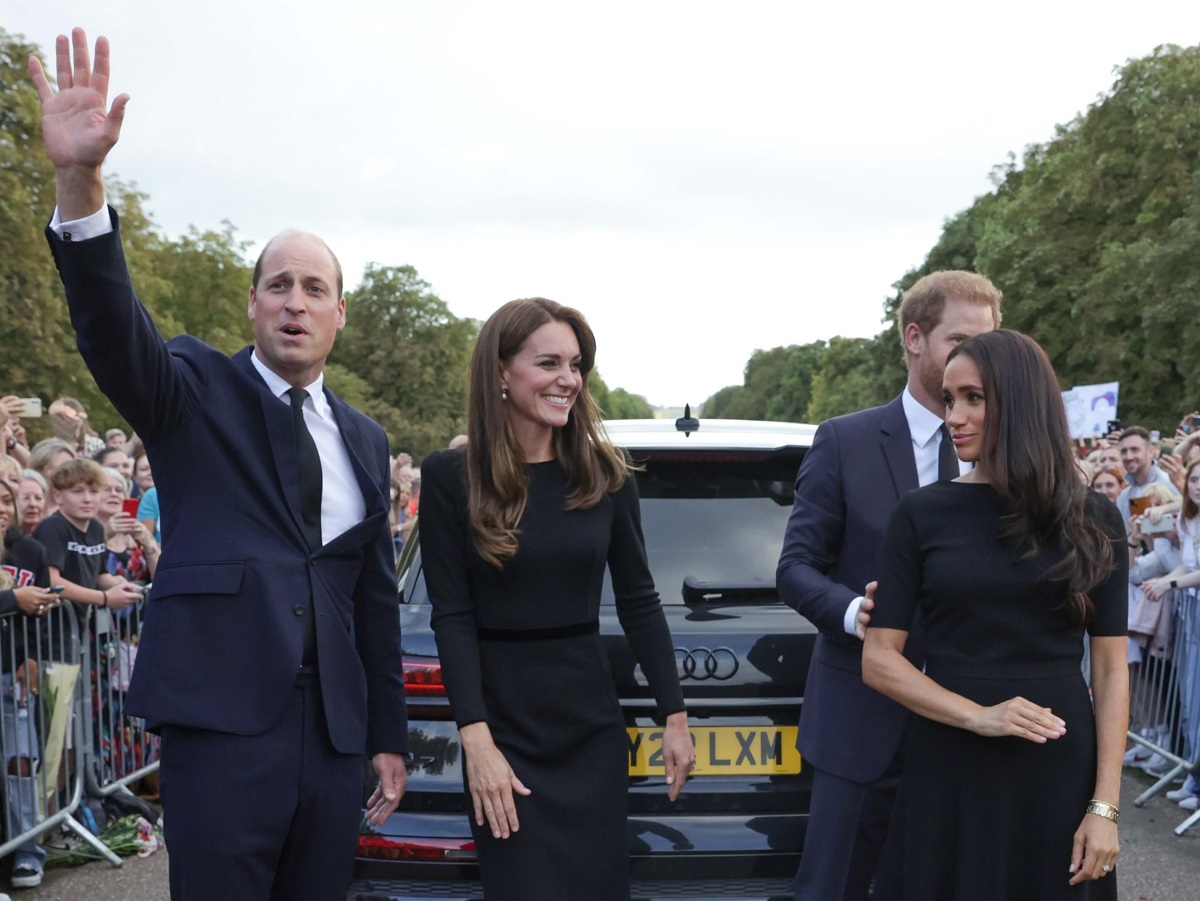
pixel 222 638
pixel 853 475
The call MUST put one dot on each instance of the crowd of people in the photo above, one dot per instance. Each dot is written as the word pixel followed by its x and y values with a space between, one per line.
pixel 78 517
pixel 1155 483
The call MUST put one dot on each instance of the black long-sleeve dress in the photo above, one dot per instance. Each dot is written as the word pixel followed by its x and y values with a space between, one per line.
pixel 520 650
pixel 993 819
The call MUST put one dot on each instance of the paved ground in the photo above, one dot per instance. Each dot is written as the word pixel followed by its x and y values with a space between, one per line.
pixel 1156 865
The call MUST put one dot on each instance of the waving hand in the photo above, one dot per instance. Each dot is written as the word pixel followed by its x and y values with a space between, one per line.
pixel 78 126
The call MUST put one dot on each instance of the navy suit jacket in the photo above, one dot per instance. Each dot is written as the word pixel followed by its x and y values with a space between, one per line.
pixel 856 471
pixel 223 633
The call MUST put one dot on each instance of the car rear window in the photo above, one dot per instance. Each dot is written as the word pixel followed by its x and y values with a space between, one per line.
pixel 713 518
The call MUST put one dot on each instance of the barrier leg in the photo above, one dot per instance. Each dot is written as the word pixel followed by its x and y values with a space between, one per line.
pixel 1188 823
pixel 1172 774
pixel 92 841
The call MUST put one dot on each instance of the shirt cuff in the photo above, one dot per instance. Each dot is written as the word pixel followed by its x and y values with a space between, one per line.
pixel 851 616
pixel 93 226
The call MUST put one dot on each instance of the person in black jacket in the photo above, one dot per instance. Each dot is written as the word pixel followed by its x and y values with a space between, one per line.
pixel 24 601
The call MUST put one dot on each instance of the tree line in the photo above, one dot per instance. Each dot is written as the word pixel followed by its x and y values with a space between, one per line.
pixel 402 357
pixel 1094 238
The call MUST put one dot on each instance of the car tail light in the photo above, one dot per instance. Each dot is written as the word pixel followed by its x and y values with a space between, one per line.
pixel 423 677
pixel 426 850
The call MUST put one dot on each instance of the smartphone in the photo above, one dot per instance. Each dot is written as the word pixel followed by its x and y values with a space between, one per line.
pixel 130 505
pixel 1115 425
pixel 1139 505
pixel 1155 436
pixel 33 407
pixel 57 589
pixel 1165 524
pixel 1190 424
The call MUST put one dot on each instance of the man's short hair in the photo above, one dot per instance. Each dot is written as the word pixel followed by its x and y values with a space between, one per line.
pixel 925 301
pixel 337 266
pixel 78 472
pixel 1136 431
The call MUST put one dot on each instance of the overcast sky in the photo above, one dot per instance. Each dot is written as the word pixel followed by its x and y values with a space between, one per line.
pixel 700 179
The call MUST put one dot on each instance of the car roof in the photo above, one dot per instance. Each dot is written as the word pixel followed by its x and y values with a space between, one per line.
pixel 712 434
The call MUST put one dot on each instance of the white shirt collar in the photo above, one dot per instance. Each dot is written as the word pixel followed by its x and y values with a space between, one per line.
pixel 279 387
pixel 923 424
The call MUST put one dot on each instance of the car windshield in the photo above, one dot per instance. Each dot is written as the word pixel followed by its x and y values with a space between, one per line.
pixel 717 521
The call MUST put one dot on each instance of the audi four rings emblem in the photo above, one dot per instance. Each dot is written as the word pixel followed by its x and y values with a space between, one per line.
pixel 706 663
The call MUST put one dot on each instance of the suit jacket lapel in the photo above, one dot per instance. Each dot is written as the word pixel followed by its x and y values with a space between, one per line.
pixel 896 442
pixel 277 417
pixel 352 438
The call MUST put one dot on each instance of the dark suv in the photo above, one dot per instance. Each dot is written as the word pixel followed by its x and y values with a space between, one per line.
pixel 715 502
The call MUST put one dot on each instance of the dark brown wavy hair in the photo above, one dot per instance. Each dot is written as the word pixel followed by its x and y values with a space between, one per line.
pixel 1027 454
pixel 1189 509
pixel 497 488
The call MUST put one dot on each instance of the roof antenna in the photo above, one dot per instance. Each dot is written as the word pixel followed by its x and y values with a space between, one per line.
pixel 687 423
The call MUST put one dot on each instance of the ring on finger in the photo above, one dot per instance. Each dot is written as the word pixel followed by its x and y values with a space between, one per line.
pixel 1106 868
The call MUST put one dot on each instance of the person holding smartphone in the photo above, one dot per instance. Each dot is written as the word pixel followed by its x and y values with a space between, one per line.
pixel 132 550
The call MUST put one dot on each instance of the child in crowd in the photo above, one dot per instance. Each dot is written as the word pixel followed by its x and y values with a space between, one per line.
pixel 74 540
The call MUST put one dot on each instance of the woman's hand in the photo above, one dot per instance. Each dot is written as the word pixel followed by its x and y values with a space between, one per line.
pixel 1156 589
pixel 679 754
pixel 1095 847
pixel 34 601
pixel 1134 528
pixel 121 524
pixel 491 781
pixel 1019 718
pixel 123 594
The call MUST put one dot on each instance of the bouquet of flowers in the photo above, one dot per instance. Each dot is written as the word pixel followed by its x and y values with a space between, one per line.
pixel 129 835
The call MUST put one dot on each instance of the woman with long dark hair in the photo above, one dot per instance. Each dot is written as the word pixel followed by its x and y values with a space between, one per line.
pixel 516 533
pixel 1011 784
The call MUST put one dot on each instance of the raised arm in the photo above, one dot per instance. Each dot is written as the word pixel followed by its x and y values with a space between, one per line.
pixel 78 126
pixel 116 336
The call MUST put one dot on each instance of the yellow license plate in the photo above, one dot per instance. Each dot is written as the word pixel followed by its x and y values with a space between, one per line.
pixel 721 750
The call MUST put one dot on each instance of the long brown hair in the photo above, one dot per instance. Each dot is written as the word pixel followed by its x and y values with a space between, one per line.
pixel 496 482
pixel 1027 455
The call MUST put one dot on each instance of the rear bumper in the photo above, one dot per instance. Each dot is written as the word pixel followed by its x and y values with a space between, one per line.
pixel 748 889
pixel 737 858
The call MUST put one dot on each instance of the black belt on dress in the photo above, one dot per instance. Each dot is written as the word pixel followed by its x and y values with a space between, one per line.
pixel 572 631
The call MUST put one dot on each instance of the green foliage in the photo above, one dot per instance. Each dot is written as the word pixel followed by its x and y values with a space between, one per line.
pixel 403 342
pixel 617 403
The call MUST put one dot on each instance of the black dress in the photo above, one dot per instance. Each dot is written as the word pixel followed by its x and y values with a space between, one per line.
pixel 520 650
pixel 993 819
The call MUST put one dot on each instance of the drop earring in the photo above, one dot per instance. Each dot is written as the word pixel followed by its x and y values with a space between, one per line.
pixel 504 394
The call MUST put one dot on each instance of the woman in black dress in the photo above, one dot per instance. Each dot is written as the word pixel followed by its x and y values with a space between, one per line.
pixel 516 532
pixel 1011 784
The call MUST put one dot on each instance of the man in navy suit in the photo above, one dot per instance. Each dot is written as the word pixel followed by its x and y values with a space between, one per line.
pixel 270 656
pixel 856 470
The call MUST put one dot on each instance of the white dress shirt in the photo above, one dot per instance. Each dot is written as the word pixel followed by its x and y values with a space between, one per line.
pixel 342 504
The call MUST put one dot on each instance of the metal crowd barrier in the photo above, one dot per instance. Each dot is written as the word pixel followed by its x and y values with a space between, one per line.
pixel 121 751
pixel 1164 699
pixel 42 734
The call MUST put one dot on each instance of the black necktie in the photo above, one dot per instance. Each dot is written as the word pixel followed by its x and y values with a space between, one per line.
pixel 310 469
pixel 310 505
pixel 947 458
